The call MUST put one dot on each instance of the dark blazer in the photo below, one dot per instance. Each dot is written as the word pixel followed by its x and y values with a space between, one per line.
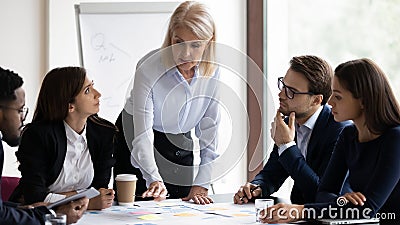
pixel 42 152
pixel 373 169
pixel 306 173
pixel 13 216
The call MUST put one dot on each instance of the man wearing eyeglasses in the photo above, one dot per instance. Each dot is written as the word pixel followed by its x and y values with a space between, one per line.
pixel 12 115
pixel 305 139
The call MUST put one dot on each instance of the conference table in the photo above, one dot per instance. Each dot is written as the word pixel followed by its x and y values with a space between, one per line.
pixel 177 212
pixel 173 211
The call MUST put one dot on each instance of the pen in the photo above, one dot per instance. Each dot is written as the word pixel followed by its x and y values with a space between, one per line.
pixel 251 190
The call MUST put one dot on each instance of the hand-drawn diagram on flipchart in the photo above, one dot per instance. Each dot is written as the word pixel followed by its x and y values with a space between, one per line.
pixel 112 38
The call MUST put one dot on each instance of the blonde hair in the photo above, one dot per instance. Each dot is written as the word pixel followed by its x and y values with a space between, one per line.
pixel 193 16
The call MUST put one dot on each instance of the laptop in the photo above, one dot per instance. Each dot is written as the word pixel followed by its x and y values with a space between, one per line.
pixel 349 221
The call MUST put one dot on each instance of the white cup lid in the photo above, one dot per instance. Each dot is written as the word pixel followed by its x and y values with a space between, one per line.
pixel 126 177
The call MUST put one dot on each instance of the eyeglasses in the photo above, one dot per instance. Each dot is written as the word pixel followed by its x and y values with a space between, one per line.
pixel 289 91
pixel 22 111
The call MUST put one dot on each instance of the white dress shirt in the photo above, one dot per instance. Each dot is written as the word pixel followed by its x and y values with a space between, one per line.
pixel 303 134
pixel 77 172
pixel 163 100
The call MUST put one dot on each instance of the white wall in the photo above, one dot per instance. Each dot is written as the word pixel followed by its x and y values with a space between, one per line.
pixel 277 65
pixel 23 50
pixel 25 47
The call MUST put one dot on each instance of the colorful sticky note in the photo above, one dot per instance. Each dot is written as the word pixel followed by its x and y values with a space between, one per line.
pixel 215 209
pixel 144 224
pixel 141 212
pixel 241 214
pixel 150 217
pixel 185 214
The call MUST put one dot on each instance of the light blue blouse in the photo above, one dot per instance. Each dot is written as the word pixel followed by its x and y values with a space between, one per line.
pixel 163 100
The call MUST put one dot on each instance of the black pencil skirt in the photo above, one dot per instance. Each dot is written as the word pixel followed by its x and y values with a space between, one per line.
pixel 173 154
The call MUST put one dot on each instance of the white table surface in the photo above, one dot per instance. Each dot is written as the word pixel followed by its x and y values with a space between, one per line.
pixel 175 212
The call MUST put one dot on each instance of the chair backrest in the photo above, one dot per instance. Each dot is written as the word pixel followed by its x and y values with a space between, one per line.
pixel 8 184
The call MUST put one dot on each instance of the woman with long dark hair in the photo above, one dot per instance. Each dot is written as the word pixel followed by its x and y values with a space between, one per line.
pixel 67 147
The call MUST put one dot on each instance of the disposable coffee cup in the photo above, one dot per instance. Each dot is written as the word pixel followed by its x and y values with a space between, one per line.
pixel 262 205
pixel 126 188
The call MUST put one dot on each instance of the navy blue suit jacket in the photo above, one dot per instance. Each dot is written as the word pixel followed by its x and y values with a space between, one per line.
pixel 10 215
pixel 373 169
pixel 306 173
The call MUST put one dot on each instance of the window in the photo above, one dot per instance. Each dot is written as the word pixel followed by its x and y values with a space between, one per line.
pixel 337 31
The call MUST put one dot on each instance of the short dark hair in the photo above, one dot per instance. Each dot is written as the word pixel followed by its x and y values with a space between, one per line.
pixel 9 82
pixel 317 71
pixel 60 86
pixel 366 81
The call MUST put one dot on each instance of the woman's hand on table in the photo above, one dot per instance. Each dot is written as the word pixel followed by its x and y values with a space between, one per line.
pixel 199 195
pixel 157 190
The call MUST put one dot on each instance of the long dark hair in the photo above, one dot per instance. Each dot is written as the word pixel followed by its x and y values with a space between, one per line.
pixel 366 81
pixel 59 88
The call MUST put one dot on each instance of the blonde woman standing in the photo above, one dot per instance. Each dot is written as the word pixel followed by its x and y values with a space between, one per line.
pixel 175 90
